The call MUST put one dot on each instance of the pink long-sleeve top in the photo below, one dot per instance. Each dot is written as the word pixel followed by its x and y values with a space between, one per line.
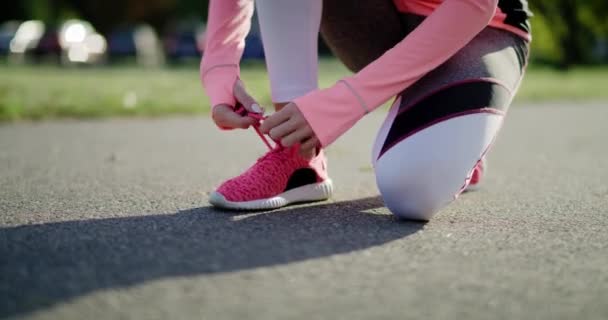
pixel 449 26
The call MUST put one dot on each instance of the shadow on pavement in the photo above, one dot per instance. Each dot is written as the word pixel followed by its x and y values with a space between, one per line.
pixel 41 265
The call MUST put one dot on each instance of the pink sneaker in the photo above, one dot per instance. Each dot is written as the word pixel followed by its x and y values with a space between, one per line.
pixel 477 176
pixel 279 178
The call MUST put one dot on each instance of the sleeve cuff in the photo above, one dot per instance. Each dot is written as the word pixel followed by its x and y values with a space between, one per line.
pixel 219 83
pixel 331 112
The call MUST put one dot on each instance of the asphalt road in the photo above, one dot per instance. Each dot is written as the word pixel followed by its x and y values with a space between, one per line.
pixel 109 220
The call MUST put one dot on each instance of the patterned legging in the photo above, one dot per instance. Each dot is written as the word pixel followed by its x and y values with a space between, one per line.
pixel 436 130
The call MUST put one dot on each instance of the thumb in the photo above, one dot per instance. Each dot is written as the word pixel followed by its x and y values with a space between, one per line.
pixel 245 99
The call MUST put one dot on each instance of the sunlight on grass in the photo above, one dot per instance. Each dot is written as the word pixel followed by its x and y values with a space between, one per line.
pixel 41 92
pixel 575 85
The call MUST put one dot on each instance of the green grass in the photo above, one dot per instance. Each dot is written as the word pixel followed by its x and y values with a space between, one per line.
pixel 576 85
pixel 42 92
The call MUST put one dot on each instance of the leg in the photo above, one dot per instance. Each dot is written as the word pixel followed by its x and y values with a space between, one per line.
pixel 281 177
pixel 290 29
pixel 358 32
pixel 438 129
pixel 428 170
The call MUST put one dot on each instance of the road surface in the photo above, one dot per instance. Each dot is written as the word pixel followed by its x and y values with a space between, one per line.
pixel 109 220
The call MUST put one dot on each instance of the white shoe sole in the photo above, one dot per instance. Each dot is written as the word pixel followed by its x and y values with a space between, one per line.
pixel 472 187
pixel 307 193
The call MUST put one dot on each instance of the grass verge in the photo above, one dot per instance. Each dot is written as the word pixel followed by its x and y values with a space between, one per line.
pixel 44 92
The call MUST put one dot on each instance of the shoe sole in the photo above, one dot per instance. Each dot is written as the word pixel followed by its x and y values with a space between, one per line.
pixel 473 187
pixel 307 193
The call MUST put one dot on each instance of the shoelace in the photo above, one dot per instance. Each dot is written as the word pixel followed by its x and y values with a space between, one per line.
pixel 240 109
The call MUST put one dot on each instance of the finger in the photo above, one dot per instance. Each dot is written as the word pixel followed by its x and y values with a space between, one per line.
pixel 279 132
pixel 308 145
pixel 297 136
pixel 217 113
pixel 274 120
pixel 228 118
pixel 245 99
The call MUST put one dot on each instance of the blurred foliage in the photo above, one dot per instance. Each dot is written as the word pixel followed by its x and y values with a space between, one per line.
pixel 566 32
pixel 108 14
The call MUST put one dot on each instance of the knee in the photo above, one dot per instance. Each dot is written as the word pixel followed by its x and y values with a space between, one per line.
pixel 407 198
pixel 412 192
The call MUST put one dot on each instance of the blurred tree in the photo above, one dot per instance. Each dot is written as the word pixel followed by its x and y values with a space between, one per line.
pixel 192 9
pixel 109 13
pixel 565 31
pixel 574 26
pixel 29 9
pixel 105 15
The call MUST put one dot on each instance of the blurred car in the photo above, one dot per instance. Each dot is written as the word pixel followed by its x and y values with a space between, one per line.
pixel 48 46
pixel 121 43
pixel 7 33
pixel 76 41
pixel 140 43
pixel 253 47
pixel 253 42
pixel 25 39
pixel 186 42
pixel 80 43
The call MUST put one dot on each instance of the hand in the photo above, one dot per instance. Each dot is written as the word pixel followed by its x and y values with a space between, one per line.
pixel 224 116
pixel 290 127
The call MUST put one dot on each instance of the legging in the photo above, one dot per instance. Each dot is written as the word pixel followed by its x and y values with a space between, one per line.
pixel 436 130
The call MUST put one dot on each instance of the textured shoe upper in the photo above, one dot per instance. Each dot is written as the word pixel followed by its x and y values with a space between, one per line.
pixel 270 175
